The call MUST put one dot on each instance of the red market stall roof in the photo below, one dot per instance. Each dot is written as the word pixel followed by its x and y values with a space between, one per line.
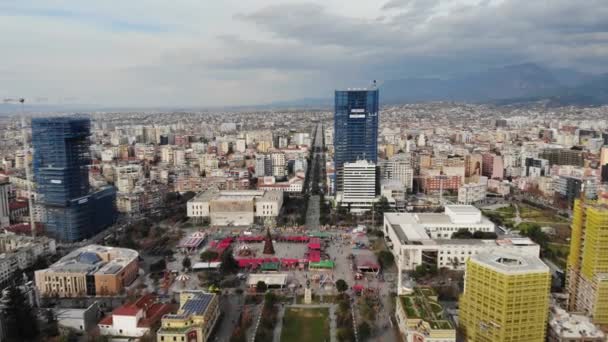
pixel 367 262
pixel 246 262
pixel 314 245
pixel 314 256
pixel 294 238
pixel 289 262
pixel 251 238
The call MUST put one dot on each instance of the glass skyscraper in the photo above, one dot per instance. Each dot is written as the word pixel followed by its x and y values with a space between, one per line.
pixel 355 128
pixel 61 161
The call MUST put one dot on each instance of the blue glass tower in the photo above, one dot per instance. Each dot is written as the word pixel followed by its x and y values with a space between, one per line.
pixel 355 128
pixel 61 161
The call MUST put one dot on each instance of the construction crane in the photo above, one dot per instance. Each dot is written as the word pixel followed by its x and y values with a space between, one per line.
pixel 28 177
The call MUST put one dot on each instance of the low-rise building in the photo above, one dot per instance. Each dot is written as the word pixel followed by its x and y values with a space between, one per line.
pixel 569 327
pixel 413 245
pixel 236 208
pixel 18 252
pixel 194 321
pixel 134 319
pixel 89 271
pixel 421 318
pixel 473 192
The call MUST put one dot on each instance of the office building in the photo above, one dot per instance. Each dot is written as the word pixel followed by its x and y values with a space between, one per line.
pixel 359 186
pixel 236 208
pixel 355 128
pixel 569 188
pixel 418 324
pixel 61 161
pixel 535 167
pixel 4 203
pixel 505 298
pixel 92 270
pixel 562 156
pixel 194 321
pixel 587 277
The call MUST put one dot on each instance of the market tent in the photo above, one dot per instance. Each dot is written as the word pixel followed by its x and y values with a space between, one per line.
pixel 315 246
pixel 270 266
pixel 314 256
pixel 322 264
pixel 321 235
pixel 251 238
pixel 289 262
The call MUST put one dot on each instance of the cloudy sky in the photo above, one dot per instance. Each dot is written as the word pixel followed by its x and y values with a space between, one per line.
pixel 237 52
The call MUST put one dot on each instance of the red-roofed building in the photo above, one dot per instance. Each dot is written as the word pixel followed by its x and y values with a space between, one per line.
pixel 134 319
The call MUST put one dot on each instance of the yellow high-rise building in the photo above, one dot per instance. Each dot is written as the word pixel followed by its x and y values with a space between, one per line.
pixel 505 298
pixel 587 278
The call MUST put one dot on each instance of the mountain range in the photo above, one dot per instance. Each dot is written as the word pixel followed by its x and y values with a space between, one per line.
pixel 522 83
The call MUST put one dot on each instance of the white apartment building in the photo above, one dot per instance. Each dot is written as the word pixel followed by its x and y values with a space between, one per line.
pixel 400 169
pixel 278 164
pixel 473 192
pixel 19 252
pixel 359 186
pixel 127 176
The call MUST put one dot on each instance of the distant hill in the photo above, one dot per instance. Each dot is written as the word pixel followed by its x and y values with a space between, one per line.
pixel 499 83
pixel 514 84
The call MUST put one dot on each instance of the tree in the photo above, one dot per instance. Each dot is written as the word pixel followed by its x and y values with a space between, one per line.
pixel 186 263
pixel 381 207
pixel 158 266
pixel 386 258
pixel 462 233
pixel 229 264
pixel 20 321
pixel 365 331
pixel 341 285
pixel 208 256
pixel 51 328
pixel 261 287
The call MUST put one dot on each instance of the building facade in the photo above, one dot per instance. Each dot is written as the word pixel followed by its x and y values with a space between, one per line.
pixel 89 271
pixel 418 324
pixel 587 277
pixel 61 161
pixel 505 298
pixel 355 128
pixel 194 321
pixel 359 185
pixel 236 208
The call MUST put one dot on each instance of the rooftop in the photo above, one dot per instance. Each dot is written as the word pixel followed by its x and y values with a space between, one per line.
pixel 573 326
pixel 422 304
pixel 510 263
pixel 93 259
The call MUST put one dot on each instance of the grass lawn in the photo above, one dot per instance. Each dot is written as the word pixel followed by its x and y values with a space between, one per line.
pixel 530 213
pixel 303 325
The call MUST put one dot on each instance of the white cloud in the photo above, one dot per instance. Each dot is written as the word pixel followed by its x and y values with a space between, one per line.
pixel 234 52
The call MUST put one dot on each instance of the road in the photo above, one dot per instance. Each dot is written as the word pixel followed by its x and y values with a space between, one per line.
pixel 316 180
